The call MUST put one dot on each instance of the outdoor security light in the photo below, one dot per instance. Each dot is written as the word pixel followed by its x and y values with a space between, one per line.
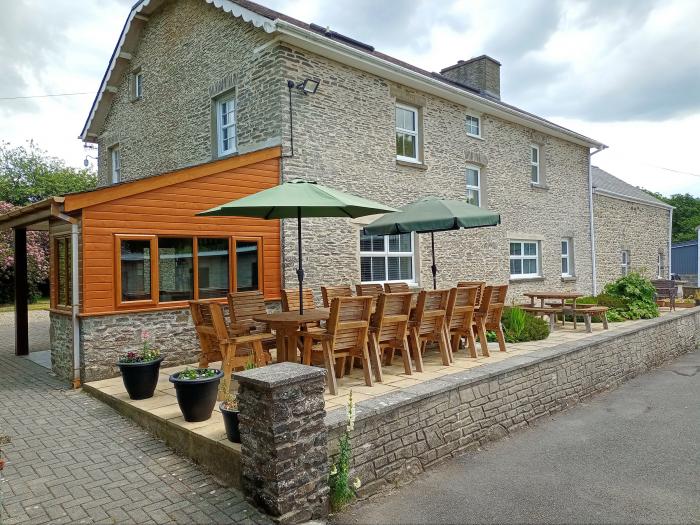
pixel 308 86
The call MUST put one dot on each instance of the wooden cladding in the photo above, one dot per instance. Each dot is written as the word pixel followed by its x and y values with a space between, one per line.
pixel 170 212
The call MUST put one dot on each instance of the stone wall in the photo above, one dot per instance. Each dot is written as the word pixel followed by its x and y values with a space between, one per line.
pixel 344 136
pixel 189 52
pixel 61 337
pixel 399 435
pixel 624 225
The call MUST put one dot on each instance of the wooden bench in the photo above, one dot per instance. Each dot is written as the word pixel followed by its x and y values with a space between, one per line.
pixel 539 311
pixel 588 311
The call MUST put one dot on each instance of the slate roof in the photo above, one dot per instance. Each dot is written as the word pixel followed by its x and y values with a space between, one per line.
pixel 608 183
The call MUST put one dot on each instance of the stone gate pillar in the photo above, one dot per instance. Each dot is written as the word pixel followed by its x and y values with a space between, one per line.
pixel 284 452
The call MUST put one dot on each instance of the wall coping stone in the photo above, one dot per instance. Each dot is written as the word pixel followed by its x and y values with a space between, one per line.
pixel 278 375
pixel 389 402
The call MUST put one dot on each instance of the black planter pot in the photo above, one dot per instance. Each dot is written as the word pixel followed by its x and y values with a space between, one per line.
pixel 140 379
pixel 196 397
pixel 231 423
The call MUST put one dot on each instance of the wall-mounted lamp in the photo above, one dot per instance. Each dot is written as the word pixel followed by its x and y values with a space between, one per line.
pixel 308 86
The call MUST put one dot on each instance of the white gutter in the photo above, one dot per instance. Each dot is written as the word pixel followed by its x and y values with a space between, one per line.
pixel 75 294
pixel 594 270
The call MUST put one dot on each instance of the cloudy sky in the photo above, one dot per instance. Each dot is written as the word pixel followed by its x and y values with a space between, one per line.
pixel 625 72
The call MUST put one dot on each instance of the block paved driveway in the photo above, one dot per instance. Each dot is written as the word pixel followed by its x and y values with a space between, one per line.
pixel 75 460
pixel 631 455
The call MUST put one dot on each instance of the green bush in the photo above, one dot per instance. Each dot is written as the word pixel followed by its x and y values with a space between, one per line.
pixel 630 297
pixel 519 326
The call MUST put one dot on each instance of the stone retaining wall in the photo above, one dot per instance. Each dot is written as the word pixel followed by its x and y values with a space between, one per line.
pixel 399 435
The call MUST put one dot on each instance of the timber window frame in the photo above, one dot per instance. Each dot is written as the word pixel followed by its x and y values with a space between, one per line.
pixel 521 255
pixel 155 267
pixel 474 189
pixel 404 131
pixel 473 126
pixel 226 128
pixel 62 298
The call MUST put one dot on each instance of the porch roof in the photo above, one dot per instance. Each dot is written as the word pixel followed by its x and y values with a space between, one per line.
pixel 33 216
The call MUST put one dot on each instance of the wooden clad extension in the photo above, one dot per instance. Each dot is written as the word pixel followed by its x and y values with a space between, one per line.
pixel 166 206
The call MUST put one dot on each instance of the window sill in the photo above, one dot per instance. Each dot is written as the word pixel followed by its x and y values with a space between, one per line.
pixel 568 278
pixel 411 164
pixel 477 137
pixel 539 187
pixel 539 278
pixel 136 99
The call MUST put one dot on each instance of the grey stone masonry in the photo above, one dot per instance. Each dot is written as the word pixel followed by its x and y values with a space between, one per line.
pixel 284 440
pixel 61 336
pixel 399 435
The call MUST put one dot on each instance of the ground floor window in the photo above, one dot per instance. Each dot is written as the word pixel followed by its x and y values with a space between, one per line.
pixel 566 258
pixel 625 262
pixel 660 265
pixel 163 269
pixel 386 258
pixel 524 259
pixel 63 272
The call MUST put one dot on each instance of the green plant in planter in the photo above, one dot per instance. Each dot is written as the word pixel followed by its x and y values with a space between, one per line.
pixel 193 374
pixel 342 491
pixel 250 365
pixel 230 401
pixel 146 353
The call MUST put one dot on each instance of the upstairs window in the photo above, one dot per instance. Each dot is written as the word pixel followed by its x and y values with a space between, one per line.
pixel 473 126
pixel 474 185
pixel 116 162
pixel 625 262
pixel 226 125
pixel 524 259
pixel 535 164
pixel 406 133
pixel 386 258
pixel 138 85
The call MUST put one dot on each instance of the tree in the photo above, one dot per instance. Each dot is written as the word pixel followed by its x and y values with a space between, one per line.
pixel 29 174
pixel 686 215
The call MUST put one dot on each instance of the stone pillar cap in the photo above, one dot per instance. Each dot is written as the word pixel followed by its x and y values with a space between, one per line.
pixel 279 375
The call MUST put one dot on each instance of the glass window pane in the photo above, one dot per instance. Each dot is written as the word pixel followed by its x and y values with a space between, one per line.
pixel 212 268
pixel 175 269
pixel 409 146
pixel 564 247
pixel 400 243
pixel 473 197
pixel 136 270
pixel 530 266
pixel 247 258
pixel 399 144
pixel 534 173
pixel 62 271
pixel 400 268
pixel 530 248
pixel 515 248
pixel 516 266
pixel 564 265
pixel 365 242
pixel 472 177
pixel 535 155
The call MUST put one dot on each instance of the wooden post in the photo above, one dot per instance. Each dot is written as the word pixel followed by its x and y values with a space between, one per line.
pixel 21 285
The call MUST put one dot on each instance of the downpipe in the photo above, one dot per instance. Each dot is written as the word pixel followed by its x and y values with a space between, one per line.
pixel 75 295
pixel 594 271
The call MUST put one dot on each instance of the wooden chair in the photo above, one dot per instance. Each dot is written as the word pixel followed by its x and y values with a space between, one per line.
pixel 428 324
pixel 373 290
pixel 329 292
pixel 666 289
pixel 461 306
pixel 480 288
pixel 389 328
pixel 290 299
pixel 396 288
pixel 488 316
pixel 243 306
pixel 217 344
pixel 346 335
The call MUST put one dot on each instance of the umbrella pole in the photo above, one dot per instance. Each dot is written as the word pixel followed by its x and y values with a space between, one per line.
pixel 300 270
pixel 433 268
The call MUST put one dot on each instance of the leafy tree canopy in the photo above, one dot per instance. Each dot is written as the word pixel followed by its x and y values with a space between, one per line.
pixel 29 174
pixel 686 216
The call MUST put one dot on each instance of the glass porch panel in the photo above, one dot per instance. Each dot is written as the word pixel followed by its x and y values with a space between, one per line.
pixel 175 269
pixel 213 268
pixel 136 270
pixel 247 261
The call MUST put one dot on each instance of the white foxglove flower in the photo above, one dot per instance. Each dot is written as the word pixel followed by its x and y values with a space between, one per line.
pixel 357 483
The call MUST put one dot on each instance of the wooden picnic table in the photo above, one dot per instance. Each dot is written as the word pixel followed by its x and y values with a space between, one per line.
pixel 286 324
pixel 557 296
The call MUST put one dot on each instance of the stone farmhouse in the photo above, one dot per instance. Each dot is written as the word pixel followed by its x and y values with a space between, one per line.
pixel 205 101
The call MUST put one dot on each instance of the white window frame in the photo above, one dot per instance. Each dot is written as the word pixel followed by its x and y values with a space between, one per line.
pixel 415 133
pixel 138 84
pixel 625 262
pixel 386 254
pixel 660 265
pixel 471 187
pixel 567 256
pixel 522 257
pixel 116 163
pixel 231 99
pixel 536 164
pixel 478 125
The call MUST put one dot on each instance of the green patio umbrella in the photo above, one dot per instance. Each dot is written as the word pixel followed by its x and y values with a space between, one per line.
pixel 298 198
pixel 430 215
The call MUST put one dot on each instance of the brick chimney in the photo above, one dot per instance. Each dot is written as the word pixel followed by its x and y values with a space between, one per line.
pixel 482 73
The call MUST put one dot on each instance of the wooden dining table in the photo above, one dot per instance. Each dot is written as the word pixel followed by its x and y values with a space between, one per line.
pixel 556 296
pixel 286 326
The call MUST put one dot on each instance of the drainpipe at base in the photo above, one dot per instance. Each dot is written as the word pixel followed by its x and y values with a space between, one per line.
pixel 594 271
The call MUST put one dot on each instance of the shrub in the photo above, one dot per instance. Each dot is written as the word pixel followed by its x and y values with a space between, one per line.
pixel 519 326
pixel 633 297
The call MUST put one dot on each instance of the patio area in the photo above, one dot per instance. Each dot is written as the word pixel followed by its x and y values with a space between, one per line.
pixel 206 441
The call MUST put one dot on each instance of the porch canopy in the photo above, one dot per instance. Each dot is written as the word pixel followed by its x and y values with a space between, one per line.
pixel 430 215
pixel 34 217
